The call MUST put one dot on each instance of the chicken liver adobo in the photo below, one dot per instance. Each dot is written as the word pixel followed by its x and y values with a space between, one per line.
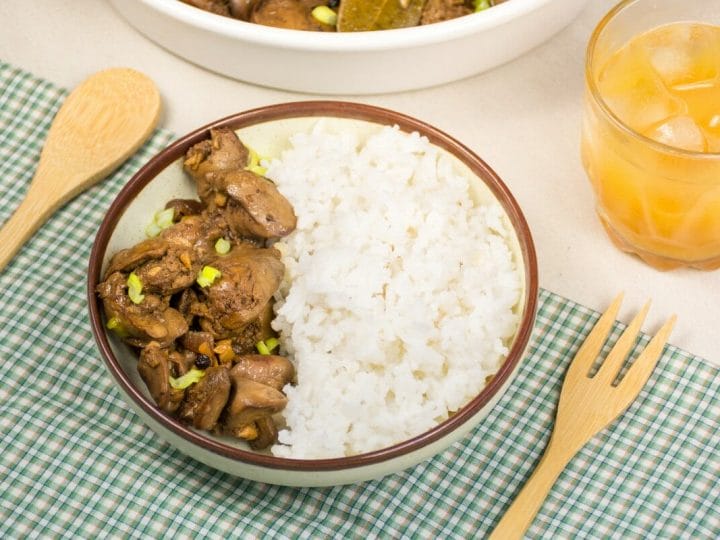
pixel 196 298
pixel 343 15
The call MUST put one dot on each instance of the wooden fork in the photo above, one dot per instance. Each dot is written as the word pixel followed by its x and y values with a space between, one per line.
pixel 587 405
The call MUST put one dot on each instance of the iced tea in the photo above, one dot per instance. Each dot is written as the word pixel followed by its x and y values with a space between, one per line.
pixel 651 144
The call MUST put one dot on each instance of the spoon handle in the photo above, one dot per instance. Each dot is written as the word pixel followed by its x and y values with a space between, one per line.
pixel 32 212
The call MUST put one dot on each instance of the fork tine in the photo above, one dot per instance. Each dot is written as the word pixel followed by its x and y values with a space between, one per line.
pixel 588 351
pixel 616 357
pixel 639 372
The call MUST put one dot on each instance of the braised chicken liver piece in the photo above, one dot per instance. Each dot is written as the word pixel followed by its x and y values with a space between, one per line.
pixel 262 210
pixel 251 401
pixel 209 159
pixel 244 340
pixel 185 207
pixel 293 14
pixel 206 399
pixel 443 10
pixel 272 370
pixel 252 204
pixel 249 278
pixel 150 320
pixel 154 368
pixel 266 433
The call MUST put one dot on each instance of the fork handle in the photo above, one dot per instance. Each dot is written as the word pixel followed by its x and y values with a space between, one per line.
pixel 522 511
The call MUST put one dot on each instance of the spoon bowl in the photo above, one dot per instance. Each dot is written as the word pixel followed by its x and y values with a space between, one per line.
pixel 102 122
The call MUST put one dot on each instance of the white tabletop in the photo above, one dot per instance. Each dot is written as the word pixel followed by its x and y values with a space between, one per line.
pixel 522 118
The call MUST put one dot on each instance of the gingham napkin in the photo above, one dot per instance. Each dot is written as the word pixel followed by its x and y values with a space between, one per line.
pixel 76 462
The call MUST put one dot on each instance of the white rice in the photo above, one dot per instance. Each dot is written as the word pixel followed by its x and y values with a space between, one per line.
pixel 400 295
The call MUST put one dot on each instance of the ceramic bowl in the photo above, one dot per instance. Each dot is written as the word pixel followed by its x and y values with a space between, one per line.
pixel 266 130
pixel 350 63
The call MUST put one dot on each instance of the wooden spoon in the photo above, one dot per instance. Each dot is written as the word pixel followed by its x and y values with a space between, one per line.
pixel 102 123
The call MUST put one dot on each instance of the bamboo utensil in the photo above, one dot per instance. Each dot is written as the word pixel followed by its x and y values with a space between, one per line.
pixel 587 405
pixel 102 122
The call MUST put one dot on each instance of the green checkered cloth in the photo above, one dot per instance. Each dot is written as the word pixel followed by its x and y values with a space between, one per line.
pixel 76 462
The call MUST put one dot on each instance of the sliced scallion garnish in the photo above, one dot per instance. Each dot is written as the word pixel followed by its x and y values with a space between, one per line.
pixel 113 323
pixel 191 377
pixel 135 288
pixel 254 163
pixel 271 344
pixel 161 221
pixel 262 348
pixel 207 276
pixel 222 246
pixel 116 326
pixel 152 230
pixel 165 218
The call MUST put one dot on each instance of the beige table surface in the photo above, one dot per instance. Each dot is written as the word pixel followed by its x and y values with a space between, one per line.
pixel 522 118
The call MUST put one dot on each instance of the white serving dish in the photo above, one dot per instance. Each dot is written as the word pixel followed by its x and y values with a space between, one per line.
pixel 350 63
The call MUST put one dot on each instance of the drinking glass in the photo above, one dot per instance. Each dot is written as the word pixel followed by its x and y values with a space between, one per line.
pixel 656 200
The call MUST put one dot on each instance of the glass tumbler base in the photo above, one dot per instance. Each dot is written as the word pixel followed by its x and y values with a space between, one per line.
pixel 656 261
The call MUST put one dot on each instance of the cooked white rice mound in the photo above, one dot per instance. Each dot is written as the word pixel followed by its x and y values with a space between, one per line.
pixel 400 295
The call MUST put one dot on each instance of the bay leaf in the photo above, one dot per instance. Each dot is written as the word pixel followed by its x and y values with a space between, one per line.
pixel 362 15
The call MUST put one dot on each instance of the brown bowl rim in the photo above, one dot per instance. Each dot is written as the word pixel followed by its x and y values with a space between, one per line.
pixel 327 108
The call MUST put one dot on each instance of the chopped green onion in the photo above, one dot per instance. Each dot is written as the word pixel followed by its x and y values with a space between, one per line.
pixel 325 15
pixel 152 230
pixel 133 281
pixel 266 347
pixel 207 276
pixel 254 163
pixel 222 246
pixel 262 348
pixel 260 171
pixel 191 377
pixel 481 5
pixel 116 326
pixel 135 288
pixel 162 220
pixel 271 343
pixel 165 218
pixel 113 323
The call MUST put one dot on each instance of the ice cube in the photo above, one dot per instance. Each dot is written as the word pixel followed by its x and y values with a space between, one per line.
pixel 635 94
pixel 679 132
pixel 671 64
pixel 684 54
pixel 644 104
